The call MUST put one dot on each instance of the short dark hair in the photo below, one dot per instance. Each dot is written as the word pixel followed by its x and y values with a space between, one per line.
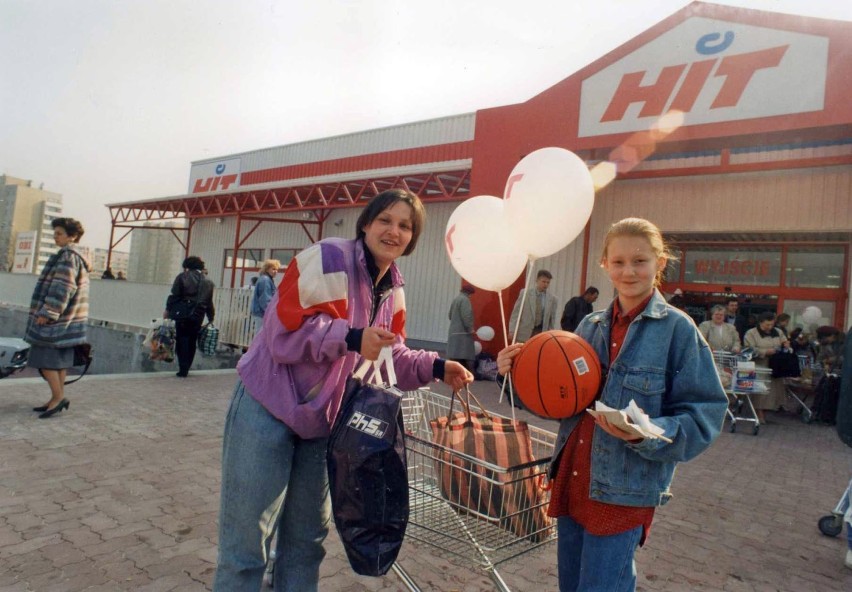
pixel 73 228
pixel 387 199
pixel 193 262
pixel 544 273
pixel 592 290
pixel 782 317
pixel 766 316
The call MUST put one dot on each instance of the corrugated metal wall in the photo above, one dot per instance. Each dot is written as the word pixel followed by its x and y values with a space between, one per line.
pixel 812 200
pixel 445 130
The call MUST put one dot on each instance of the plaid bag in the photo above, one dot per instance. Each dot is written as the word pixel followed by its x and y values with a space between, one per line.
pixel 512 498
pixel 208 339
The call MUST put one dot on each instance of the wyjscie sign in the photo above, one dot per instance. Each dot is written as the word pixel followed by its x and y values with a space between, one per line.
pixel 712 71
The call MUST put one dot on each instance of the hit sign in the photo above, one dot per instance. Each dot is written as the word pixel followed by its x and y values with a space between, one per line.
pixel 711 70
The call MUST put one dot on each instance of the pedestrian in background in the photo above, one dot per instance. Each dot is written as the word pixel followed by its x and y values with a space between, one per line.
pixel 264 290
pixel 191 289
pixel 540 309
pixel 59 313
pixel 460 342
pixel 577 308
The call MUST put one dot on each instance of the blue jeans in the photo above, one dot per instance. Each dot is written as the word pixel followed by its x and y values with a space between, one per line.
pixel 590 563
pixel 271 480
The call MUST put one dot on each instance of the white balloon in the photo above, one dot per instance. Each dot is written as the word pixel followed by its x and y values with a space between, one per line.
pixel 812 314
pixel 477 348
pixel 485 333
pixel 549 198
pixel 480 246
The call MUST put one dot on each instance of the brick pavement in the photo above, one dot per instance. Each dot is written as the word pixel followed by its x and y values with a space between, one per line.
pixel 121 493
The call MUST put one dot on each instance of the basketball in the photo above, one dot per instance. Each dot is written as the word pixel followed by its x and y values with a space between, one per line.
pixel 556 374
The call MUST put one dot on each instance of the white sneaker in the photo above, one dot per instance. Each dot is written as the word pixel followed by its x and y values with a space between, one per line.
pixel 848 562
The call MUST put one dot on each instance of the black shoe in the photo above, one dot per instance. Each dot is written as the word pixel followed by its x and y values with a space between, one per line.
pixel 40 408
pixel 181 374
pixel 63 404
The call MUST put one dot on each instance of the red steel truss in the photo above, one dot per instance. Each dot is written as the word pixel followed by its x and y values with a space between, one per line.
pixel 252 204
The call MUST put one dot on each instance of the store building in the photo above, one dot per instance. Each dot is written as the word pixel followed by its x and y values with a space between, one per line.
pixel 752 183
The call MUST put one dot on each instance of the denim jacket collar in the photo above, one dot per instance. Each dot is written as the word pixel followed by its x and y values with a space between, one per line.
pixel 656 309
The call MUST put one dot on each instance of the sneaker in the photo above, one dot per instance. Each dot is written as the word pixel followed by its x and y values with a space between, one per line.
pixel 848 562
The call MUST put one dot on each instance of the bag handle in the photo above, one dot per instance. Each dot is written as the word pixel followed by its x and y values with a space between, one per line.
pixel 385 358
pixel 465 405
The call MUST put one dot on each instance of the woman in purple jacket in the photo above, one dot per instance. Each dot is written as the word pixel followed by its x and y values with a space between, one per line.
pixel 340 301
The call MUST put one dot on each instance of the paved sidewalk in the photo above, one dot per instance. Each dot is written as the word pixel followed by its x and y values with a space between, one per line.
pixel 121 493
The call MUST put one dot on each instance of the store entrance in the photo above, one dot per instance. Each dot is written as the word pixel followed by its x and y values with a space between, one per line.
pixel 698 305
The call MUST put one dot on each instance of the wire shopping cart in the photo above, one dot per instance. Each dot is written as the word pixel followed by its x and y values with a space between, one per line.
pixel 741 379
pixel 804 386
pixel 454 528
pixel 832 525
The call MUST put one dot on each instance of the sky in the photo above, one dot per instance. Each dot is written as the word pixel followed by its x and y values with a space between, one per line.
pixel 109 101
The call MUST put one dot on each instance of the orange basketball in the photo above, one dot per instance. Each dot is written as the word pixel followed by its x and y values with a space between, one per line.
pixel 556 374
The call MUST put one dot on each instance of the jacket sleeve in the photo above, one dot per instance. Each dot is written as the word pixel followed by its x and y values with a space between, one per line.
pixel 176 292
pixel 264 292
pixel 311 306
pixel 466 315
pixel 515 311
pixel 693 407
pixel 63 286
pixel 568 315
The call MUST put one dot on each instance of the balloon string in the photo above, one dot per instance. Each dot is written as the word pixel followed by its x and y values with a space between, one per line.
pixel 508 377
pixel 523 300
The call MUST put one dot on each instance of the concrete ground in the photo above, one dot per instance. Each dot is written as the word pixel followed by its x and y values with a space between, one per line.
pixel 121 492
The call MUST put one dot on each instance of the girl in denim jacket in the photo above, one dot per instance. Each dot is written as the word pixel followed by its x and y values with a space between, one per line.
pixel 606 484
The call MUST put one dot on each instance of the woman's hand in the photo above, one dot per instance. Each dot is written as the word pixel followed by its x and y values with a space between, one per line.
pixel 506 357
pixel 41 320
pixel 373 339
pixel 616 432
pixel 770 352
pixel 456 375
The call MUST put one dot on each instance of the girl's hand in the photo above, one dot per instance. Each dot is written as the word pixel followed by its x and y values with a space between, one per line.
pixel 616 432
pixel 373 339
pixel 506 357
pixel 456 375
pixel 41 320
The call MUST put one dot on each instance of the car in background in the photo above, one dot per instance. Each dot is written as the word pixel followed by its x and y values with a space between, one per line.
pixel 14 353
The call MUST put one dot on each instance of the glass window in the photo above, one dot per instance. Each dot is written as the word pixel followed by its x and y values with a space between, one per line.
pixel 283 255
pixel 809 314
pixel 757 266
pixel 246 258
pixel 814 267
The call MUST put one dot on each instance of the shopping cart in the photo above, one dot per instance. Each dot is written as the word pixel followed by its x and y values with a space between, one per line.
pixel 804 386
pixel 741 379
pixel 832 525
pixel 450 526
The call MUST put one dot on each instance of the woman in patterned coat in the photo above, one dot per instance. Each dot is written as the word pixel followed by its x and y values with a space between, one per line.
pixel 59 313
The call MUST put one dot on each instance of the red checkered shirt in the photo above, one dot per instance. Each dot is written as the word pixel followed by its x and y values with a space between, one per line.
pixel 570 495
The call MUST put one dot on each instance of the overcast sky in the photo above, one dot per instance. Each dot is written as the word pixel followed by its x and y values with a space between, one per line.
pixel 108 101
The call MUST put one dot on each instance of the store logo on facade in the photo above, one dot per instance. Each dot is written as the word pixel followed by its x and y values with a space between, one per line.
pixel 712 72
pixel 213 177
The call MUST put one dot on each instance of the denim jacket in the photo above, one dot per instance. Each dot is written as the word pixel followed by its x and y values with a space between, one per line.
pixel 667 368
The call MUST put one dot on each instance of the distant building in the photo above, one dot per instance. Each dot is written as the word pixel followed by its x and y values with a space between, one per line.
pixel 155 256
pixel 119 261
pixel 25 210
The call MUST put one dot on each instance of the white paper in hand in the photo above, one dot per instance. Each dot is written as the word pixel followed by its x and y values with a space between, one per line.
pixel 631 419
